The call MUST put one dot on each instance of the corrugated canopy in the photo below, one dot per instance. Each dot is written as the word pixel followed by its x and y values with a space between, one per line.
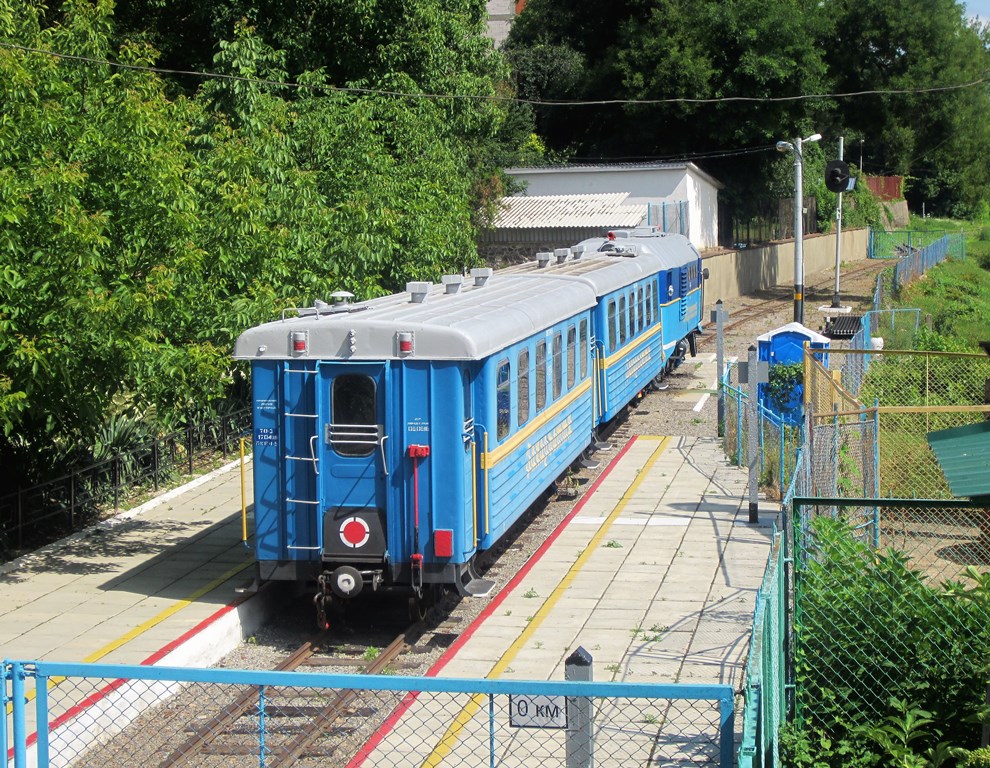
pixel 964 455
pixel 550 211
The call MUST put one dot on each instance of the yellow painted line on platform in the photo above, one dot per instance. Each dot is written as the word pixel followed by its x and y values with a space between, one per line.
pixel 171 611
pixel 450 737
pixel 147 625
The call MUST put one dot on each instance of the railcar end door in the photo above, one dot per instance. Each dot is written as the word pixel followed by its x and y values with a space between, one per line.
pixel 354 467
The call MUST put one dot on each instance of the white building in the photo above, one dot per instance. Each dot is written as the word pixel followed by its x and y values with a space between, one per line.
pixel 648 184
pixel 500 16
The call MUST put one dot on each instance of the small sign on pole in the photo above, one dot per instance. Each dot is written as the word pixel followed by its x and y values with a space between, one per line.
pixel 537 711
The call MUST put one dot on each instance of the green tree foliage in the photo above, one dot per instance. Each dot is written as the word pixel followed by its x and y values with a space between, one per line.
pixel 143 228
pixel 939 136
pixel 874 633
pixel 715 57
pixel 405 46
pixel 673 49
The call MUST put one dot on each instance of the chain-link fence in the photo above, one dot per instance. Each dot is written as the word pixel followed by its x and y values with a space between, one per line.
pixel 919 261
pixel 778 441
pixel 891 614
pixel 31 517
pixel 113 715
pixel 766 705
pixel 870 411
pixel 897 244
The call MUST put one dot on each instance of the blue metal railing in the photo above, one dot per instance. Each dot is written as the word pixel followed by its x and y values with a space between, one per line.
pixel 15 674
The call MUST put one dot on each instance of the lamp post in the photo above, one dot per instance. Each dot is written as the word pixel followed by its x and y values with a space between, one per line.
pixel 796 149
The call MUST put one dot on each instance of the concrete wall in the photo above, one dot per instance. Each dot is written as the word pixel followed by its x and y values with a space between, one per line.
pixel 735 273
pixel 702 213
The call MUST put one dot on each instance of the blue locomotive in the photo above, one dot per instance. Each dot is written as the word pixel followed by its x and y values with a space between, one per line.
pixel 395 439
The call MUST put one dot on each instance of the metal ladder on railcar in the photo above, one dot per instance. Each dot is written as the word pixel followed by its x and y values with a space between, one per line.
pixel 299 387
pixel 683 303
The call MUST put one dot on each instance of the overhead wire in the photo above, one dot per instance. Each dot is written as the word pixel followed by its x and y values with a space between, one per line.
pixel 357 90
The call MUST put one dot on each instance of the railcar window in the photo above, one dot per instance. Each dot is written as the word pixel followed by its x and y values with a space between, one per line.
pixel 611 325
pixel 641 310
pixel 622 320
pixel 541 375
pixel 583 353
pixel 352 412
pixel 522 388
pixel 502 399
pixel 649 305
pixel 558 365
pixel 571 354
pixel 656 302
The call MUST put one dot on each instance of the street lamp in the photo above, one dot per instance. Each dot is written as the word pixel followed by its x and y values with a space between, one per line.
pixel 786 146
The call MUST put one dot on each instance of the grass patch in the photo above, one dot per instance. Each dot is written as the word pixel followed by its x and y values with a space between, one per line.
pixel 956 295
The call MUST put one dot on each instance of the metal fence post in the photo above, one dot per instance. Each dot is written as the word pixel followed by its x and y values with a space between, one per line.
pixel 580 733
pixel 154 462
pixel 261 726
pixel 19 720
pixel 739 428
pixel 753 455
pixel 727 723
pixel 719 316
pixel 189 442
pixel 491 730
pixel 4 739
pixel 115 480
pixel 41 718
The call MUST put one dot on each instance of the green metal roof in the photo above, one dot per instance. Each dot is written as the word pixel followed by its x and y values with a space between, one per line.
pixel 964 455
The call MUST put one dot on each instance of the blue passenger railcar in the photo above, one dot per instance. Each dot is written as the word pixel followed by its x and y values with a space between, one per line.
pixel 397 438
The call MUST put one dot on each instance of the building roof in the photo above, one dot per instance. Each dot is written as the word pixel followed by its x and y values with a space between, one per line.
pixel 798 328
pixel 612 167
pixel 607 210
pixel 964 455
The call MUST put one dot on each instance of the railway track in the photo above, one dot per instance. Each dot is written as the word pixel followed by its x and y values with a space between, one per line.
pixel 301 721
pixel 745 314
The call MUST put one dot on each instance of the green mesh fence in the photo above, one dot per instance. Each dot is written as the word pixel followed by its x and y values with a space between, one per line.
pixel 891 614
pixel 766 705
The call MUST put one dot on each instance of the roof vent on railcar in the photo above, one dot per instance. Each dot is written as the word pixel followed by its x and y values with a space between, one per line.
pixel 626 251
pixel 578 251
pixel 452 283
pixel 481 275
pixel 418 292
pixel 562 254
pixel 543 258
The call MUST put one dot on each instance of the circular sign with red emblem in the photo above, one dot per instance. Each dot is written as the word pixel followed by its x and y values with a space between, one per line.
pixel 354 532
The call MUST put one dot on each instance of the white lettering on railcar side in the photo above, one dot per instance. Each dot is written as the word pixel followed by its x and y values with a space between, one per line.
pixel 539 452
pixel 639 362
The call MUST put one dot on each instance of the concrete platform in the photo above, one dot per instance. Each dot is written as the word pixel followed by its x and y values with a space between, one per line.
pixel 123 590
pixel 153 586
pixel 654 574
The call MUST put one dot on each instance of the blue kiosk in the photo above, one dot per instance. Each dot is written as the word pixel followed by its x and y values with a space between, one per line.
pixel 785 346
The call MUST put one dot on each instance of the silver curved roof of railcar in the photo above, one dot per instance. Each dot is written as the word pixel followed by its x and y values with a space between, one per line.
pixel 471 324
pixel 477 320
pixel 630 257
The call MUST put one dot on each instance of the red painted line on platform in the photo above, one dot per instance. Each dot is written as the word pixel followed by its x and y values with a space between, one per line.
pixel 153 659
pixel 466 635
